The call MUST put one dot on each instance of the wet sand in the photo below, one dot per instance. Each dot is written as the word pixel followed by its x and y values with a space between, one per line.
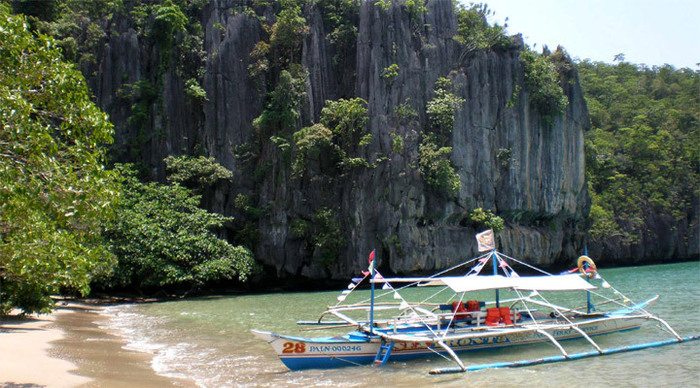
pixel 69 349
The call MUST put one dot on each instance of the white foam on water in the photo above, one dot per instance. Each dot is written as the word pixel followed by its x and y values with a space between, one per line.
pixel 142 333
pixel 180 360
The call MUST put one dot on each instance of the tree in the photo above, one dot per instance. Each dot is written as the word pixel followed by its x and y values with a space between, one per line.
pixel 54 190
pixel 163 240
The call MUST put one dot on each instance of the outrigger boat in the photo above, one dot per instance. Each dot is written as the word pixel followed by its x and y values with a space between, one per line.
pixel 426 327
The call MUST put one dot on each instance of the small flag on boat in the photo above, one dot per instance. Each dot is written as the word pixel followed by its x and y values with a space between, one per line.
pixel 357 280
pixel 403 305
pixel 366 273
pixel 351 286
pixel 370 260
pixel 486 241
pixel 345 292
pixel 397 296
pixel 341 298
pixel 386 286
pixel 605 284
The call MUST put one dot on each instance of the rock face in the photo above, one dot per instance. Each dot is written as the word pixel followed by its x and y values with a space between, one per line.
pixel 507 159
pixel 664 239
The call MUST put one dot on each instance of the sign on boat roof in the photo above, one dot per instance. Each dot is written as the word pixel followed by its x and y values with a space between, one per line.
pixel 492 282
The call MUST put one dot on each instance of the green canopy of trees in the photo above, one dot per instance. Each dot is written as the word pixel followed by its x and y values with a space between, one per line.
pixel 54 190
pixel 643 151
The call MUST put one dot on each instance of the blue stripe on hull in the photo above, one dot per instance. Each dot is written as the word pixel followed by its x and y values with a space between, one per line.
pixel 325 362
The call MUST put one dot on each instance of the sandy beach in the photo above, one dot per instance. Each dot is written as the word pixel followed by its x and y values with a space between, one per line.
pixel 69 349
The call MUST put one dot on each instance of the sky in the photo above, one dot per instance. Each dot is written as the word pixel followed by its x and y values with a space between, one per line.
pixel 649 32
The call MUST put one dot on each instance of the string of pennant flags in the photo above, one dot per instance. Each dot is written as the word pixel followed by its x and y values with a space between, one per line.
pixel 377 276
pixel 475 270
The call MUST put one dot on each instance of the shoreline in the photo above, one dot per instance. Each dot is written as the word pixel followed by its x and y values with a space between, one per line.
pixel 68 348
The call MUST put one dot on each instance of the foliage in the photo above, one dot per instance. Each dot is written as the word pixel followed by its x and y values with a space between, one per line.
pixel 282 112
pixel 332 141
pixel 390 72
pixel 365 140
pixel 73 24
pixel 486 218
pixel 54 190
pixel 164 240
pixel 415 8
pixel 542 82
pixel 436 168
pixel 405 113
pixel 347 119
pixel 503 156
pixel 328 237
pixel 195 172
pixel 283 144
pixel 433 154
pixel 288 30
pixel 310 143
pixel 260 64
pixel 442 107
pixel 474 31
pixel 324 232
pixel 244 230
pixel 168 20
pixel 397 142
pixel 340 17
pixel 642 151
pixel 383 4
pixel 194 90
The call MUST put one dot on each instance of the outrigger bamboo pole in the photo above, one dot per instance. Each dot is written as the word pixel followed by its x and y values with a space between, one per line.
pixel 553 359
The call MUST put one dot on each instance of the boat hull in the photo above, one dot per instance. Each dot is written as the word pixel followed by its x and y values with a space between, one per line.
pixel 298 353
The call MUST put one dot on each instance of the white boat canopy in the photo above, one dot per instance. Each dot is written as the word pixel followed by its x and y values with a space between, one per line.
pixel 553 283
pixel 492 282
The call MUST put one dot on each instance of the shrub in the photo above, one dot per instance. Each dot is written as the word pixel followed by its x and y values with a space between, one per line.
pixel 397 142
pixel 282 112
pixel 195 172
pixel 542 82
pixel 405 113
pixel 168 20
pixel 289 30
pixel 442 107
pixel 346 118
pixel 194 90
pixel 390 72
pixel 436 168
pixel 310 142
pixel 474 31
pixel 486 218
pixel 328 237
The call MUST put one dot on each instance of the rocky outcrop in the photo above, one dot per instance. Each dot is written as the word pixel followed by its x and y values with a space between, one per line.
pixel 507 159
pixel 664 238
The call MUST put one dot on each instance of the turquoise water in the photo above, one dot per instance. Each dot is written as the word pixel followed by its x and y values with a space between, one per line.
pixel 208 340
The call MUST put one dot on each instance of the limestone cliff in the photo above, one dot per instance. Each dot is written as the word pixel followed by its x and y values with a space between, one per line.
pixel 508 159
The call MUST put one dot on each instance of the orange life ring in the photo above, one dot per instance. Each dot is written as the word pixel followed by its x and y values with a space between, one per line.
pixel 591 270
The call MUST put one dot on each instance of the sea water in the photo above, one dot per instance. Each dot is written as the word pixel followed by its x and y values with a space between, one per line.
pixel 208 340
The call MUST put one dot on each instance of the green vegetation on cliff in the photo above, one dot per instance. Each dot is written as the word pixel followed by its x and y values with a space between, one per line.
pixel 643 150
pixel 434 155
